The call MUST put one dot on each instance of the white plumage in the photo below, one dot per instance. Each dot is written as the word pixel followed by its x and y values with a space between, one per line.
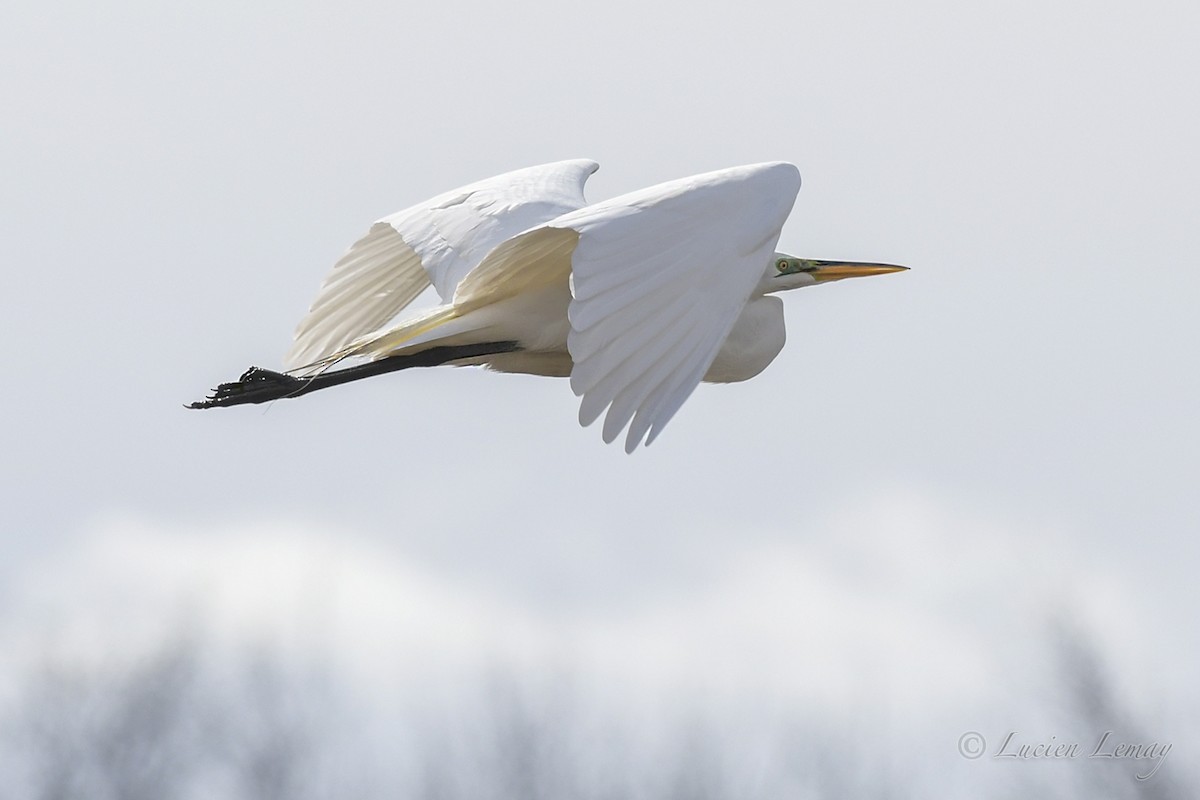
pixel 637 298
pixel 439 242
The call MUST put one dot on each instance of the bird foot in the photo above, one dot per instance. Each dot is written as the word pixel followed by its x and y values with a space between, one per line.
pixel 257 385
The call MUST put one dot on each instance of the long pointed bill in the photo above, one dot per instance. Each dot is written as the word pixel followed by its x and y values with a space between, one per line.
pixel 836 270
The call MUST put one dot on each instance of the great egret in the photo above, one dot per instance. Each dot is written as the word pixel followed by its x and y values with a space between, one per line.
pixel 637 299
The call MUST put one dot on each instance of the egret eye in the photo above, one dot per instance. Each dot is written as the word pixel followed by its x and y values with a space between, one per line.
pixel 781 265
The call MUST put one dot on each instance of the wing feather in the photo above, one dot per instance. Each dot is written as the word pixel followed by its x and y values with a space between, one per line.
pixel 377 277
pixel 598 356
pixel 658 278
pixel 672 392
pixel 641 283
pixel 633 396
pixel 627 268
pixel 660 349
pixel 705 240
pixel 436 242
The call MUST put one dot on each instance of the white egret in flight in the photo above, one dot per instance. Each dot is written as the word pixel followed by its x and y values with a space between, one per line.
pixel 637 299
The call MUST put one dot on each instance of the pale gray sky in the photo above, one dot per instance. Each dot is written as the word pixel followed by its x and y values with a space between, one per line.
pixel 1019 408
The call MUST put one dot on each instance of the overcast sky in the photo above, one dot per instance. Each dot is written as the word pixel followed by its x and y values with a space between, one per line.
pixel 939 460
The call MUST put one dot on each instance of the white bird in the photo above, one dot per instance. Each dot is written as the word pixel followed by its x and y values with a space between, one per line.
pixel 637 299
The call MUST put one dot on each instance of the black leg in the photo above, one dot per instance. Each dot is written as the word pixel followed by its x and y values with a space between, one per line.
pixel 259 385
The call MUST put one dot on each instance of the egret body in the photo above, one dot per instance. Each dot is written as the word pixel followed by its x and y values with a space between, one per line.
pixel 636 299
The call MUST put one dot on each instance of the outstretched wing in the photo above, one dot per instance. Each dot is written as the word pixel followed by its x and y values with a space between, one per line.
pixel 658 278
pixel 438 241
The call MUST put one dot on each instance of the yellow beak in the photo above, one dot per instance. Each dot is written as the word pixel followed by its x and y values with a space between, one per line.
pixel 836 270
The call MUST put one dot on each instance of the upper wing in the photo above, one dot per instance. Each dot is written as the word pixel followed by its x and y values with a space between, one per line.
pixel 438 241
pixel 658 277
pixel 658 283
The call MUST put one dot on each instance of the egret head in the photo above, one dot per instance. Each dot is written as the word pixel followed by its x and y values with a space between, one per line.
pixel 789 272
